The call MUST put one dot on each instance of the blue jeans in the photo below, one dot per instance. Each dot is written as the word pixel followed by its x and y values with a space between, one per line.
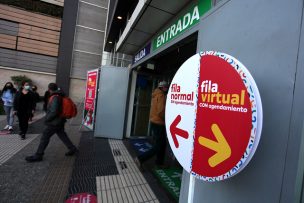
pixel 9 115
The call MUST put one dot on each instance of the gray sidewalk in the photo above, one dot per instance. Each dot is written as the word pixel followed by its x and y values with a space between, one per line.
pixel 58 177
pixel 46 181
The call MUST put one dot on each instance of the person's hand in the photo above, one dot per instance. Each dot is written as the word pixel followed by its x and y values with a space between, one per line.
pixel 33 111
pixel 15 112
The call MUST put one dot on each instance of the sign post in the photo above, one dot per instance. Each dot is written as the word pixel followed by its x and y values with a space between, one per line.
pixel 213 117
pixel 90 97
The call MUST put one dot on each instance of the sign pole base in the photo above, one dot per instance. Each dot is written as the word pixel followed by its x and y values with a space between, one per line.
pixel 191 188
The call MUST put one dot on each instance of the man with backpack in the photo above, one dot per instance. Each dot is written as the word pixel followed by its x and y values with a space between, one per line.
pixel 54 121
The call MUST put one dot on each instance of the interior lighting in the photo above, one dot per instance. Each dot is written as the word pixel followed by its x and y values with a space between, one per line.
pixel 119 17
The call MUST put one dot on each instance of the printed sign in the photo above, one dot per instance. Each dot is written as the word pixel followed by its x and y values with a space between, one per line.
pixel 186 21
pixel 82 198
pixel 170 178
pixel 213 116
pixel 90 99
pixel 140 145
pixel 142 53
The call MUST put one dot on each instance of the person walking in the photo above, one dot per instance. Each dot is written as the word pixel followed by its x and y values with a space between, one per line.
pixel 8 94
pixel 158 129
pixel 24 107
pixel 54 124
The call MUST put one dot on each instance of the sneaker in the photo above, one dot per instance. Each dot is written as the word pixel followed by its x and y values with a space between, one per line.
pixel 33 158
pixel 6 127
pixel 10 128
pixel 72 152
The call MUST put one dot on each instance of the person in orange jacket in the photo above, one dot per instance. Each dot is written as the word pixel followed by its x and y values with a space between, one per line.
pixel 157 124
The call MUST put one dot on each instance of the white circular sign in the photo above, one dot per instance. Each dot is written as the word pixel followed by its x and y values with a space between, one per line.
pixel 213 116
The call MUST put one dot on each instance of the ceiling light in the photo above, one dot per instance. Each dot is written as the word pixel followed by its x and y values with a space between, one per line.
pixel 119 17
pixel 110 42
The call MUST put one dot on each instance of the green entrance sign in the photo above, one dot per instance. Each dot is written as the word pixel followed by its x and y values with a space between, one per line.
pixel 190 18
pixel 171 179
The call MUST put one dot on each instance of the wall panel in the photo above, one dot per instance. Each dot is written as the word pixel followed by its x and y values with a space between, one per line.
pixel 38 47
pixel 8 41
pixel 83 62
pixel 28 40
pixel 27 61
pixel 102 3
pixel 26 17
pixel 89 40
pixel 90 16
pixel 8 28
pixel 40 34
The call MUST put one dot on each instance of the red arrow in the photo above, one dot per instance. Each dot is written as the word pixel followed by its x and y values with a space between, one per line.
pixel 177 131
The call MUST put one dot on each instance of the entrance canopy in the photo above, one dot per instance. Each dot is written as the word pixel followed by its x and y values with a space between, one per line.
pixel 148 17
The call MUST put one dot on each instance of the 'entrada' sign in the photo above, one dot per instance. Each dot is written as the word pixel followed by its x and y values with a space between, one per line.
pixel 190 18
pixel 213 116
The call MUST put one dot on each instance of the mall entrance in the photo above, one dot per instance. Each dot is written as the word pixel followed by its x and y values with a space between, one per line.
pixel 161 67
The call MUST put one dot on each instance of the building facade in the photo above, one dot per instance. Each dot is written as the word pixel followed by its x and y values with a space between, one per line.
pixel 52 41
pixel 29 41
pixel 81 46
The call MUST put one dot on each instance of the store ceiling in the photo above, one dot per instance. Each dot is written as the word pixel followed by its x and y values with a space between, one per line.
pixel 152 18
pixel 123 8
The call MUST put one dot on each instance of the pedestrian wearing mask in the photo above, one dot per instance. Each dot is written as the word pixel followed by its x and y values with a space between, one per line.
pixel 24 106
pixel 8 94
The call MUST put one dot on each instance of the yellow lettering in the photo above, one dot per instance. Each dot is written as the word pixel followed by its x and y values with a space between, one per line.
pixel 218 96
pixel 235 99
pixel 204 97
pixel 226 98
pixel 242 97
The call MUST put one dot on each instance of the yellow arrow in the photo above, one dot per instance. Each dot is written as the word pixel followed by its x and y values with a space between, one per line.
pixel 221 146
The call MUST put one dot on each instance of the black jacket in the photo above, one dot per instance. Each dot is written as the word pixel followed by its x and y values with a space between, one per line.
pixel 54 109
pixel 24 104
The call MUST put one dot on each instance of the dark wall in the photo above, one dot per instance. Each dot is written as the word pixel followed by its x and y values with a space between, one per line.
pixel 66 45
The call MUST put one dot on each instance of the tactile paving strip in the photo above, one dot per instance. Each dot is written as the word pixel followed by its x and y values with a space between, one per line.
pixel 11 144
pixel 94 159
pixel 129 186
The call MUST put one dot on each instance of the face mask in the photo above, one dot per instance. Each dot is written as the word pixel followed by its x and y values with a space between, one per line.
pixel 27 87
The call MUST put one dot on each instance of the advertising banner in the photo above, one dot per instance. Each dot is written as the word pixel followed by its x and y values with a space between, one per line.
pixel 213 116
pixel 90 98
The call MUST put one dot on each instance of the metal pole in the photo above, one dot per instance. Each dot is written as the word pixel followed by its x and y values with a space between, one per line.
pixel 191 189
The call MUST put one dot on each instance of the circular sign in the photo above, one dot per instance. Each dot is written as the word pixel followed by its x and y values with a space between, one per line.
pixel 213 116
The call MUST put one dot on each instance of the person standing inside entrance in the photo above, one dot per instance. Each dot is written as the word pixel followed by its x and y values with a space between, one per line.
pixel 54 124
pixel 24 106
pixel 158 129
